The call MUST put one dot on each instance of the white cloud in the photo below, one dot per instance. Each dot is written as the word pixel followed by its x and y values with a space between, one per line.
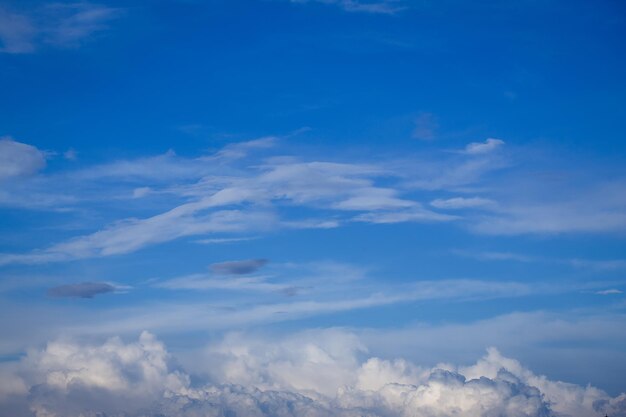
pixel 236 191
pixel 611 291
pixel 315 373
pixel 497 256
pixel 19 159
pixel 319 185
pixel 489 145
pixel 414 215
pixel 461 203
pixel 584 215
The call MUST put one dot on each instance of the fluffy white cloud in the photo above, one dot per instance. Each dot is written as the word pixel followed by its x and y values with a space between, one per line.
pixel 316 373
pixel 19 159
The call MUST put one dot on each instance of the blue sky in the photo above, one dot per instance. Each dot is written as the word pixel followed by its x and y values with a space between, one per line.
pixel 412 182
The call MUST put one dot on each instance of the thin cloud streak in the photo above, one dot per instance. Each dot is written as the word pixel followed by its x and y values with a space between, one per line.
pixel 55 24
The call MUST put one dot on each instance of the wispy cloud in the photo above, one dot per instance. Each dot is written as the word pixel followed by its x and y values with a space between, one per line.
pixel 17 33
pixel 594 264
pixel 487 146
pixel 388 7
pixel 250 187
pixel 56 24
pixel 612 291
pixel 461 203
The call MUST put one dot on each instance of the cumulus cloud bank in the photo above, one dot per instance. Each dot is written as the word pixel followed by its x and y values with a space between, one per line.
pixel 315 373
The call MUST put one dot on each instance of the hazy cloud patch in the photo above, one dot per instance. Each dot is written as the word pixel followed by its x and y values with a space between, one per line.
pixel 363 6
pixel 426 126
pixel 57 24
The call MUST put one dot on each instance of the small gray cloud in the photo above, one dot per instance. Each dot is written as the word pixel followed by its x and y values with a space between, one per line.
pixel 81 290
pixel 247 266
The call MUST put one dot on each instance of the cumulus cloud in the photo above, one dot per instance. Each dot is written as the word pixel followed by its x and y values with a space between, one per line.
pixel 315 373
pixel 242 267
pixel 81 290
pixel 19 159
pixel 487 146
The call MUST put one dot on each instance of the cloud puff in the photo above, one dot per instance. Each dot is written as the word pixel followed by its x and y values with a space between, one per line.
pixel 487 146
pixel 18 159
pixel 81 290
pixel 316 373
pixel 243 267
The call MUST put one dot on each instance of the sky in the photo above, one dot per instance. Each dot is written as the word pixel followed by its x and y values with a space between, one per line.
pixel 310 208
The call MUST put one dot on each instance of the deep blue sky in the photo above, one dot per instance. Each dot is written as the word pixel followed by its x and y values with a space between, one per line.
pixel 435 168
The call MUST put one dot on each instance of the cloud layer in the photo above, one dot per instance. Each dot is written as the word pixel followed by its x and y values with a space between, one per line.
pixel 315 373
pixel 253 188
